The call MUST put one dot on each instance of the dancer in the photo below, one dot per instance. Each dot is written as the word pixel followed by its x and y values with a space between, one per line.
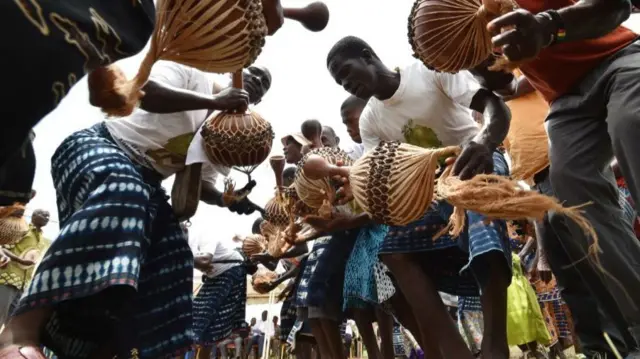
pixel 581 284
pixel 118 231
pixel 430 109
pixel 219 308
pixel 293 144
pixel 592 118
pixel 22 256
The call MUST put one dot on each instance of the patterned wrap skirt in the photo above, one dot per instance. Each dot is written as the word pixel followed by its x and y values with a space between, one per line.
pixel 365 279
pixel 327 281
pixel 471 322
pixel 302 290
pixel 219 308
pixel 446 259
pixel 288 313
pixel 120 273
pixel 554 310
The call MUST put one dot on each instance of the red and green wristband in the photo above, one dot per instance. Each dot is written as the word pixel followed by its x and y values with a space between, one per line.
pixel 559 32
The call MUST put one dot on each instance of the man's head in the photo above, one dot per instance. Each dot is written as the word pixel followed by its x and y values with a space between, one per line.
pixel 288 176
pixel 350 112
pixel 275 319
pixel 253 321
pixel 329 137
pixel 255 228
pixel 257 81
pixel 40 218
pixel 293 147
pixel 265 315
pixel 354 65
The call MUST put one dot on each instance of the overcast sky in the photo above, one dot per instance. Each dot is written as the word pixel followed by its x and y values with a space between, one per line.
pixel 301 89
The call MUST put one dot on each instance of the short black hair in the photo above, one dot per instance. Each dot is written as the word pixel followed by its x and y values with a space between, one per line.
pixel 350 47
pixel 352 102
pixel 289 172
pixel 255 228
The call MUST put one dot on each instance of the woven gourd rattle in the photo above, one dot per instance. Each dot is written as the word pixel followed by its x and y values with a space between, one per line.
pixel 254 244
pixel 276 211
pixel 395 184
pixel 13 226
pixel 316 190
pixel 241 140
pixel 452 35
pixel 213 36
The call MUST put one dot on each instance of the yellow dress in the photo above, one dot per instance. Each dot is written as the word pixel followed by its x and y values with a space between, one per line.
pixel 525 323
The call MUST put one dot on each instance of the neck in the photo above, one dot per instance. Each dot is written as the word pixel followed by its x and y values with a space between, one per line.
pixel 388 83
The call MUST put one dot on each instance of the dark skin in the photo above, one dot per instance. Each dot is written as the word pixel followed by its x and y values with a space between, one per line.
pixel 329 137
pixel 163 98
pixel 292 151
pixel 586 19
pixel 365 76
pixel 351 119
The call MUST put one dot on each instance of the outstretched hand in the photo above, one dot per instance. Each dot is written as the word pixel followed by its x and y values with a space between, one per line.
pixel 474 159
pixel 524 36
pixel 338 222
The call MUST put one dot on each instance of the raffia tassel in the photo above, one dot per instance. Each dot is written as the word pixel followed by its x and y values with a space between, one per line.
pixel 229 196
pixel 499 197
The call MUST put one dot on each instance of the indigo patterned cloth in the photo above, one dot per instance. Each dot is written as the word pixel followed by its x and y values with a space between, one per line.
pixel 288 312
pixel 327 281
pixel 121 269
pixel 219 308
pixel 446 259
pixel 360 287
pixel 319 246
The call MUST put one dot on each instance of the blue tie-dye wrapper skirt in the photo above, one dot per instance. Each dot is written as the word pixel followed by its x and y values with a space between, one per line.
pixel 288 312
pixel 446 259
pixel 119 275
pixel 220 306
pixel 360 282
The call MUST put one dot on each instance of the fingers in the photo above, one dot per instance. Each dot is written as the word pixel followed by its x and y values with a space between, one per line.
pixel 514 18
pixel 462 161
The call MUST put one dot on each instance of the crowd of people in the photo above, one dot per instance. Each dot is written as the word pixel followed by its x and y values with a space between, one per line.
pixel 117 281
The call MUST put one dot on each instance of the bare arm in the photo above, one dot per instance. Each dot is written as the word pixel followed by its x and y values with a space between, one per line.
pixel 210 195
pixel 497 118
pixel 528 247
pixel 295 251
pixel 589 19
pixel 164 98
pixel 286 275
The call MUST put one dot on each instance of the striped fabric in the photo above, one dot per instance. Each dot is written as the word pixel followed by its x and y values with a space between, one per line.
pixel 219 308
pixel 121 268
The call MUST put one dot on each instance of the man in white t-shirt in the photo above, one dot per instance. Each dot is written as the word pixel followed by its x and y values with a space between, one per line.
pixel 115 220
pixel 164 133
pixel 430 109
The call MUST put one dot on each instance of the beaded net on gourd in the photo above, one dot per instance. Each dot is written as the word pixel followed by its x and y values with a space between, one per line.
pixel 395 184
pixel 13 226
pixel 238 140
pixel 213 36
pixel 299 208
pixel 254 244
pixel 276 211
pixel 319 194
pixel 452 35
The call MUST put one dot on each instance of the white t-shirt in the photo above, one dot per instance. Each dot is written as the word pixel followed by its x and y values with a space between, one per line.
pixel 430 109
pixel 264 327
pixel 221 251
pixel 164 141
pixel 356 151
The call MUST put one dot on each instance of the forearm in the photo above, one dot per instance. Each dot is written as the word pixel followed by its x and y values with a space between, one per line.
pixel 287 275
pixel 527 247
pixel 210 195
pixel 161 98
pixel 271 265
pixel 295 251
pixel 10 254
pixel 497 118
pixel 589 19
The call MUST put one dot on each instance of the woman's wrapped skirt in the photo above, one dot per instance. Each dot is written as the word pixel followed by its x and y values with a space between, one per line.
pixel 119 275
pixel 219 308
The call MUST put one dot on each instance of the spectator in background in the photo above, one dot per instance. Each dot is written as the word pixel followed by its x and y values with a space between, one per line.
pixel 275 337
pixel 23 256
pixel 259 331
pixel 350 333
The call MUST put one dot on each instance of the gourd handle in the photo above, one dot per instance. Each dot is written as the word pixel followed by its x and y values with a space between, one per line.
pixel 316 168
pixel 238 82
pixel 277 165
pixel 314 17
